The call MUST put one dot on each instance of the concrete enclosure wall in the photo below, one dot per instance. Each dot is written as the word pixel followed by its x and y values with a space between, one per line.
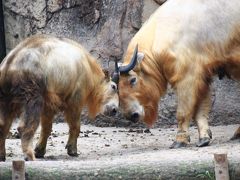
pixel 105 27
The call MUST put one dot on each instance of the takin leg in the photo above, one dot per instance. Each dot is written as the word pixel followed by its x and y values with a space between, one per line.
pixel 184 114
pixel 4 129
pixel 182 137
pixel 29 124
pixel 73 119
pixel 233 68
pixel 188 99
pixel 201 117
pixel 46 128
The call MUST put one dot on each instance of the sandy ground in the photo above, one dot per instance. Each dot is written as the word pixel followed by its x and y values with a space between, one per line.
pixel 116 144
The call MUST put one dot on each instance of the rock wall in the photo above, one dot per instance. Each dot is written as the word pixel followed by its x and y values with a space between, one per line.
pixel 105 27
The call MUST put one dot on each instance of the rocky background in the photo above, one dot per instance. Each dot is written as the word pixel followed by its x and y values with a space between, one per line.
pixel 105 27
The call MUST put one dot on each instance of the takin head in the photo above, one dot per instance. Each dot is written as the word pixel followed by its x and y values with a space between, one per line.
pixel 138 91
pixel 110 101
pixel 103 98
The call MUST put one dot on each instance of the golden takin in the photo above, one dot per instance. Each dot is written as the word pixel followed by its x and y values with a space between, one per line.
pixel 184 44
pixel 44 75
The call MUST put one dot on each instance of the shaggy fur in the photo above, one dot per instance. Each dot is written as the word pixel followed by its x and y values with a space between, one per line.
pixel 44 75
pixel 185 43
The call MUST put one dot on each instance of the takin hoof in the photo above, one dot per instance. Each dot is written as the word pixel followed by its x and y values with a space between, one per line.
pixel 71 151
pixel 176 145
pixel 2 158
pixel 203 142
pixel 26 158
pixel 235 137
pixel 29 157
pixel 39 152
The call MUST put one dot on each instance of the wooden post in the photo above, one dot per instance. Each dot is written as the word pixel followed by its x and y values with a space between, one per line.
pixel 18 170
pixel 2 34
pixel 221 167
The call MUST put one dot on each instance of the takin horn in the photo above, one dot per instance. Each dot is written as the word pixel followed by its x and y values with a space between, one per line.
pixel 115 75
pixel 132 64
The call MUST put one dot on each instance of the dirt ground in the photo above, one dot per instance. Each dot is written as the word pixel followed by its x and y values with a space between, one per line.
pixel 97 143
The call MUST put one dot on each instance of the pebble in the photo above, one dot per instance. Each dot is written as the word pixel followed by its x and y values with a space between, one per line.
pixel 94 133
pixel 139 131
pixel 147 131
pixel 54 135
pixel 131 130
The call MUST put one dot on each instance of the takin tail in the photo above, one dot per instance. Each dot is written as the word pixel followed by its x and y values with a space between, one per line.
pixel 21 93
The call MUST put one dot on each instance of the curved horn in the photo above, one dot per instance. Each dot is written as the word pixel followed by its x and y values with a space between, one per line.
pixel 115 75
pixel 131 65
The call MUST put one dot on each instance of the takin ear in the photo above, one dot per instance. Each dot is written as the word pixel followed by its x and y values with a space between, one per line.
pixel 107 74
pixel 140 57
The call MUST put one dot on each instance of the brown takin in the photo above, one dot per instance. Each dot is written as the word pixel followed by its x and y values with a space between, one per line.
pixel 184 44
pixel 44 75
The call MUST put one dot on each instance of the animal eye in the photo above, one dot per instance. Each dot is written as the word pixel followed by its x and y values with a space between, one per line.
pixel 114 87
pixel 133 81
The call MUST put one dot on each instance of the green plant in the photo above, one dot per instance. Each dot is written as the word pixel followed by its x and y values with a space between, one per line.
pixel 206 175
